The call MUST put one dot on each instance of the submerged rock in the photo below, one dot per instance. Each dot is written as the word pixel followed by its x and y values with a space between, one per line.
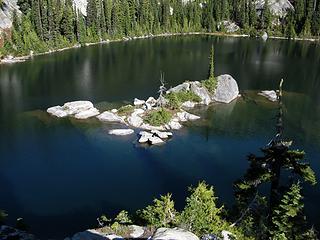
pixel 121 132
pixel 174 234
pixel 269 94
pixel 227 89
pixel 185 116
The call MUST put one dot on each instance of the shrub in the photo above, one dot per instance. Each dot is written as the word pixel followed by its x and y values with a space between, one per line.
pixel 158 117
pixel 126 110
pixel 161 214
pixel 123 218
pixel 177 98
pixel 210 84
pixel 201 215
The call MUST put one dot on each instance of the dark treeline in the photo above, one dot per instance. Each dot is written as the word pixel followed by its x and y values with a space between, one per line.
pixel 53 24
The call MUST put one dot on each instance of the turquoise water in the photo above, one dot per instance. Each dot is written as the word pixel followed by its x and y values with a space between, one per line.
pixel 59 175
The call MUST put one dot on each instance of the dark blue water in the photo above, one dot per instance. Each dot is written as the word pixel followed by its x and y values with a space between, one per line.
pixel 60 175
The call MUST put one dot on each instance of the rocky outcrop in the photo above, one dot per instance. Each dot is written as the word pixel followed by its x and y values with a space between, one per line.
pixel 227 89
pixel 269 94
pixel 121 132
pixel 173 234
pixel 185 116
pixel 137 231
pixel 201 91
pixel 154 137
pixel 188 104
pixel 77 109
pixel 279 8
pixel 6 12
pixel 9 233
pixel 228 26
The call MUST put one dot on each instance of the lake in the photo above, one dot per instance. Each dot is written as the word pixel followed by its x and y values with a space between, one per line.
pixel 61 174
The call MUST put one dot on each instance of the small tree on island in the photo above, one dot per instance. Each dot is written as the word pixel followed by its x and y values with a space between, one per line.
pixel 211 83
pixel 277 215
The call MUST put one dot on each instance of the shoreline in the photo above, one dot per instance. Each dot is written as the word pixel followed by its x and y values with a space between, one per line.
pixel 12 59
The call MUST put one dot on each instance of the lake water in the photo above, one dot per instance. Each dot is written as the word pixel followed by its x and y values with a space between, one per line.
pixel 59 175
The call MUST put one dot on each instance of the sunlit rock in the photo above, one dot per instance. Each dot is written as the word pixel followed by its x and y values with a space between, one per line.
pixel 269 94
pixel 137 231
pixel 227 89
pixel 201 91
pixel 121 132
pixel 77 106
pixel 138 102
pixel 87 113
pixel 228 26
pixel 173 234
pixel 110 117
pixel 185 116
pixel 57 111
pixel 181 87
pixel 188 104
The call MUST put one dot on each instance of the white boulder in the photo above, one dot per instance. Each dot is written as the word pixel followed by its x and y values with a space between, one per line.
pixel 121 132
pixel 87 113
pixel 138 102
pixel 174 124
pixel 137 231
pixel 265 36
pixel 135 121
pixel 202 92
pixel 149 127
pixel 181 87
pixel 151 101
pixel 279 8
pixel 57 111
pixel 77 106
pixel 110 117
pixel 227 89
pixel 269 94
pixel 155 140
pixel 173 234
pixel 162 135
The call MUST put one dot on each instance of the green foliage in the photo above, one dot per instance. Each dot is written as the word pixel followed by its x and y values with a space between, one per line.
pixel 211 83
pixel 161 214
pixel 201 215
pixel 123 218
pixel 158 117
pixel 126 110
pixel 177 98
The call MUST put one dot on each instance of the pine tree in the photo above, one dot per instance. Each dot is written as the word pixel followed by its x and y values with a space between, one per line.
pixel 92 15
pixel 290 31
pixel 266 16
pixel 81 28
pixel 117 18
pixel 107 13
pixel 316 21
pixel 252 14
pixel 24 6
pixel 306 29
pixel 67 21
pixel 36 18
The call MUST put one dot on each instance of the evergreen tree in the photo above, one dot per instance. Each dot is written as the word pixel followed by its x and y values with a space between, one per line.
pixel 316 21
pixel 67 21
pixel 306 29
pixel 252 14
pixel 290 31
pixel 117 18
pixel 24 6
pixel 266 16
pixel 36 17
pixel 107 4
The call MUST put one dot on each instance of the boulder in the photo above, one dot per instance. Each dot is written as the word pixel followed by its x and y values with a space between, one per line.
pixel 149 127
pixel 138 111
pixel 201 91
pixel 138 102
pixel 155 140
pixel 264 36
pixel 279 8
pixel 228 26
pixel 110 117
pixel 227 235
pixel 121 132
pixel 188 104
pixel 114 110
pixel 182 87
pixel 114 237
pixel 185 116
pixel 227 89
pixel 151 101
pixel 269 94
pixel 135 121
pixel 162 135
pixel 173 234
pixel 87 113
pixel 77 106
pixel 137 231
pixel 57 111
pixel 174 124
pixel 90 234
